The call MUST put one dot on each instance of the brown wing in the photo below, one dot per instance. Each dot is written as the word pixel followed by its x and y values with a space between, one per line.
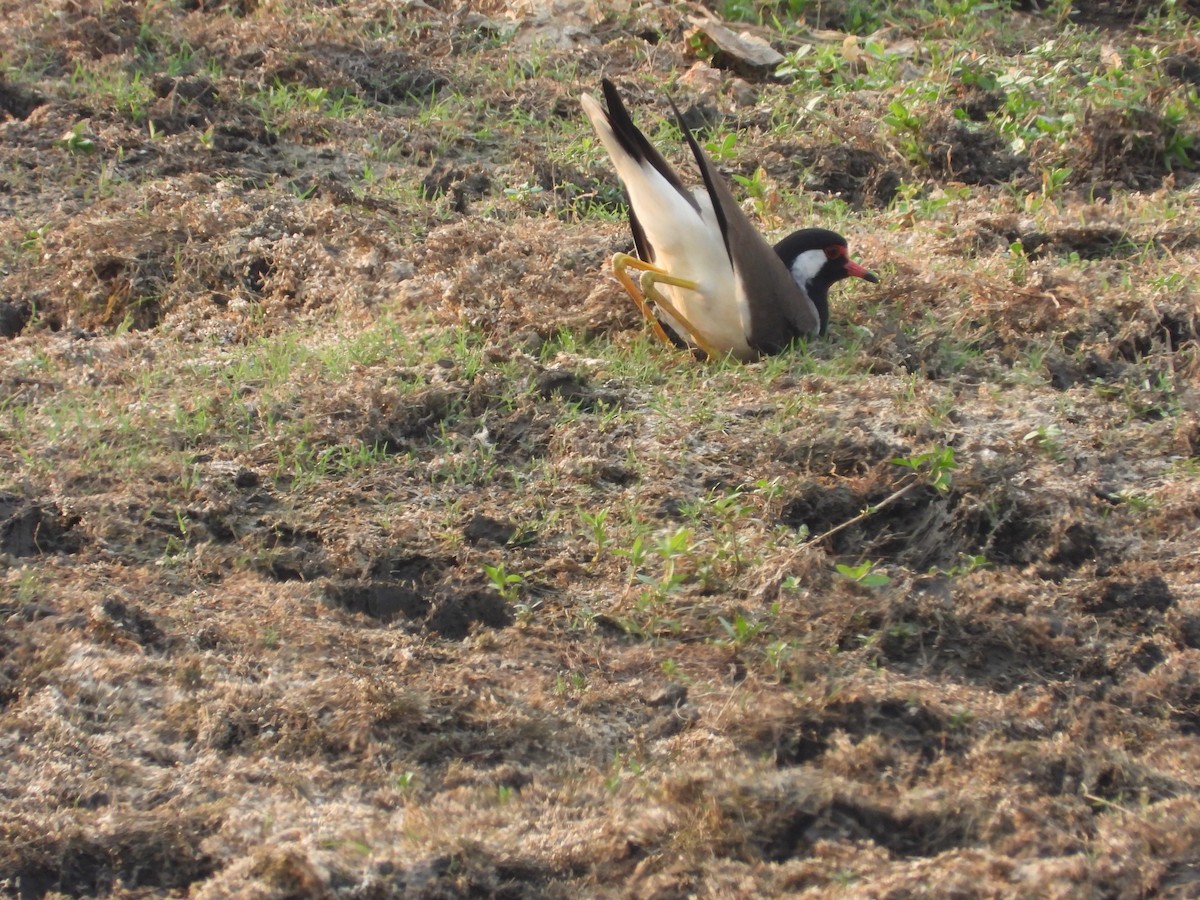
pixel 780 310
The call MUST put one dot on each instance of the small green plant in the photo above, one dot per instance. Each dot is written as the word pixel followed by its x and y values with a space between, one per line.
pixel 936 465
pixel 622 765
pixel 524 534
pixel 34 240
pixel 506 584
pixel 524 611
pixel 791 583
pixel 595 522
pixel 739 11
pixel 901 118
pixel 575 683
pixel 960 719
pixel 968 564
pixel 907 127
pixel 28 586
pixel 584 619
pixel 864 574
pixel 1188 467
pixel 866 641
pixel 76 140
pixel 724 149
pixel 729 509
pixel 778 654
pixel 1180 143
pixel 1135 501
pixel 845 877
pixel 177 544
pixel 1054 179
pixel 794 64
pixel 302 189
pixel 740 631
pixel 1048 439
pixel 671 549
pixel 637 552
pixel 1018 265
pixel 770 488
pixel 757 190
pixel 523 191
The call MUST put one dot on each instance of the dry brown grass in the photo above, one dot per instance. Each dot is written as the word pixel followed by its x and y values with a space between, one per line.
pixel 310 327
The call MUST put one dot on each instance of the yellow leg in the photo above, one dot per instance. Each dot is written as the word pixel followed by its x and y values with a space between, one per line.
pixel 652 274
pixel 623 261
pixel 652 277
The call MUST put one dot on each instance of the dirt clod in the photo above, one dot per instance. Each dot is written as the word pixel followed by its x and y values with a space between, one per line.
pixel 33 528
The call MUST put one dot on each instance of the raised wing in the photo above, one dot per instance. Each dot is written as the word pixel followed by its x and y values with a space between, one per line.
pixel 776 310
pixel 651 185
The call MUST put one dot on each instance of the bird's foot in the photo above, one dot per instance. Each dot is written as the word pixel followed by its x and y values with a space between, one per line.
pixel 650 280
pixel 651 276
pixel 623 261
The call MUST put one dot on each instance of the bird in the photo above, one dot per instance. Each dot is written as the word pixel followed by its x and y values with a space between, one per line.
pixel 715 283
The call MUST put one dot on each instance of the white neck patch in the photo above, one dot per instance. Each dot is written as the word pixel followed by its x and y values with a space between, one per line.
pixel 806 266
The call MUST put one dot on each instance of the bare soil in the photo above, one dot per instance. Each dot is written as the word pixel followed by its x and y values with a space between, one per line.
pixel 228 668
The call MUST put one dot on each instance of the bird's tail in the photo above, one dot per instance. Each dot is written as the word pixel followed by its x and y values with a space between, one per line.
pixel 623 140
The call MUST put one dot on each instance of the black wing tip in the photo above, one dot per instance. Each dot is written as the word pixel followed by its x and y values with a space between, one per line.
pixel 705 171
pixel 632 141
pixel 611 97
pixel 688 135
pixel 637 145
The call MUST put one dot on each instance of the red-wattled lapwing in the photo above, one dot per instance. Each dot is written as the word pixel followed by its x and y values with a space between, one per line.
pixel 715 280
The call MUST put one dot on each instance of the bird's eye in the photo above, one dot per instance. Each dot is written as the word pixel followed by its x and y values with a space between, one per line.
pixel 835 251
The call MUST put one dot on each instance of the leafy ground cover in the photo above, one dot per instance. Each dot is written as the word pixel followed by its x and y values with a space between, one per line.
pixel 357 540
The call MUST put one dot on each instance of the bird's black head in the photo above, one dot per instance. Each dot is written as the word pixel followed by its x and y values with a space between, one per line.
pixel 817 258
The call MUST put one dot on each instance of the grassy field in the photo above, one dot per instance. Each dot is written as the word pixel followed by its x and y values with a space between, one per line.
pixel 358 540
